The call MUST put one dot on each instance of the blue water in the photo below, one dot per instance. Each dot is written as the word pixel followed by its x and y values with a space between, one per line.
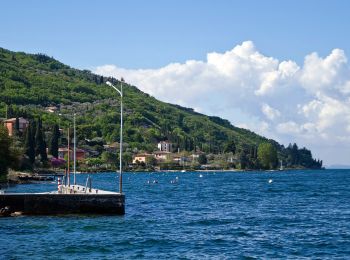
pixel 301 214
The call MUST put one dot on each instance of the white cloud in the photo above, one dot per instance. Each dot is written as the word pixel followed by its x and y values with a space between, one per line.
pixel 307 104
pixel 270 112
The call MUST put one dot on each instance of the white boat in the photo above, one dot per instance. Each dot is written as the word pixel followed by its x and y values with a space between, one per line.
pixel 281 166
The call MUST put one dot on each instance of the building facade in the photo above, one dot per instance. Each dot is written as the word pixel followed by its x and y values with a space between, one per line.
pixel 10 124
pixel 165 146
pixel 63 152
pixel 141 158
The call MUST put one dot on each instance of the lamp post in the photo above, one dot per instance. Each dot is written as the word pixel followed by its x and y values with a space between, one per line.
pixel 75 152
pixel 121 132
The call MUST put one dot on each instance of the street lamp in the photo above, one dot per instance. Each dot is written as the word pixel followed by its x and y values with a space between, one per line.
pixel 121 131
pixel 74 151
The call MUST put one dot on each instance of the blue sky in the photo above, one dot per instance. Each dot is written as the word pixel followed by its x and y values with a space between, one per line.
pixel 279 68
pixel 151 34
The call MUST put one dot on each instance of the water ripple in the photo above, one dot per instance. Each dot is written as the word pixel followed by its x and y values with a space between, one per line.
pixel 301 214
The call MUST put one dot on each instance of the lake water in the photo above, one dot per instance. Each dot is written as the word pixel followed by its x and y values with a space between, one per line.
pixel 301 214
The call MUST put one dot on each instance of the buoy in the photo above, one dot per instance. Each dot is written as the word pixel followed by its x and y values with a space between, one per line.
pixel 270 180
pixel 200 175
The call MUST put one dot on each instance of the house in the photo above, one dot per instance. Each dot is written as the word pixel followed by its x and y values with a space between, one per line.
pixel 161 155
pixel 51 109
pixel 141 158
pixel 181 159
pixel 196 155
pixel 80 154
pixel 165 146
pixel 10 124
pixel 111 148
pixel 63 151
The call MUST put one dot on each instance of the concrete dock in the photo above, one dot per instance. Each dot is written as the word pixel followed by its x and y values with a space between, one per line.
pixel 73 199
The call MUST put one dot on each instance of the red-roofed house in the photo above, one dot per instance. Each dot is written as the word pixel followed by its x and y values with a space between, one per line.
pixel 11 124
pixel 141 157
pixel 63 151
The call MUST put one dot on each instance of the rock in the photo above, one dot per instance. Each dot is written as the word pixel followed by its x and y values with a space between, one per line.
pixel 16 213
pixel 5 212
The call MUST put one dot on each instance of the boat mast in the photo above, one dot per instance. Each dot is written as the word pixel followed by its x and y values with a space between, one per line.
pixel 75 152
pixel 121 140
pixel 68 171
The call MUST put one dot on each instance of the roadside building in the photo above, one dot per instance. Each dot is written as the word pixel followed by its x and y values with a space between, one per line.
pixel 10 124
pixel 63 152
pixel 141 158
pixel 196 155
pixel 165 146
pixel 51 109
pixel 161 155
pixel 181 159
pixel 80 154
pixel 111 148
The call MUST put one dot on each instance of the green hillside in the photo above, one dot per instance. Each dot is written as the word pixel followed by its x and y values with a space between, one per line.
pixel 30 83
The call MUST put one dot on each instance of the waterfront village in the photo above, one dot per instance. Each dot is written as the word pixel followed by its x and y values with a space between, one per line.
pixel 95 155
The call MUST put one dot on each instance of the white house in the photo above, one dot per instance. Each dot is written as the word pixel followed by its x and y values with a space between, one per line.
pixel 162 155
pixel 165 146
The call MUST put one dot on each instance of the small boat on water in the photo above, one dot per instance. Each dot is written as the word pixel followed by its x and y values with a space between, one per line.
pixel 281 166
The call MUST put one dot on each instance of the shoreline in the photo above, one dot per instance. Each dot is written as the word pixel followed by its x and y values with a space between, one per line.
pixel 17 177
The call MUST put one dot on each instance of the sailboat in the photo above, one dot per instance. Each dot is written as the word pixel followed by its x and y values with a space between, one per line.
pixel 281 166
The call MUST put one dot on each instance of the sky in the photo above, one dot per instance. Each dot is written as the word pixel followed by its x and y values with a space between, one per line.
pixel 279 68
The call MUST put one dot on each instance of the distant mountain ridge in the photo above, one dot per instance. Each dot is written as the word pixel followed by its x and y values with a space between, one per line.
pixel 338 166
pixel 30 83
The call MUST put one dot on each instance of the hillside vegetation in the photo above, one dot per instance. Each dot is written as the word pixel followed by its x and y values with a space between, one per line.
pixel 30 83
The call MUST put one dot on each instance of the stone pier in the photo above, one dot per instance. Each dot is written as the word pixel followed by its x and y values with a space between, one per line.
pixel 92 202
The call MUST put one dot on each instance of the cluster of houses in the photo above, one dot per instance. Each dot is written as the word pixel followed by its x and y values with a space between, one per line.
pixel 164 152
pixel 23 123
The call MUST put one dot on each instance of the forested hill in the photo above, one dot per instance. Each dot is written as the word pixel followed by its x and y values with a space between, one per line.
pixel 30 83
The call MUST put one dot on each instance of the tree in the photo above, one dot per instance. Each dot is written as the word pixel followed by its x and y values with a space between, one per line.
pixel 43 152
pixel 40 144
pixel 230 147
pixel 9 111
pixel 16 128
pixel 108 157
pixel 267 155
pixel 29 145
pixel 202 159
pixel 54 141
pixel 294 152
pixel 127 158
pixel 8 155
pixel 151 161
pixel 243 159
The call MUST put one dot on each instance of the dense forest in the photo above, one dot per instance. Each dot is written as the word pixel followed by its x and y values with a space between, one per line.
pixel 31 83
